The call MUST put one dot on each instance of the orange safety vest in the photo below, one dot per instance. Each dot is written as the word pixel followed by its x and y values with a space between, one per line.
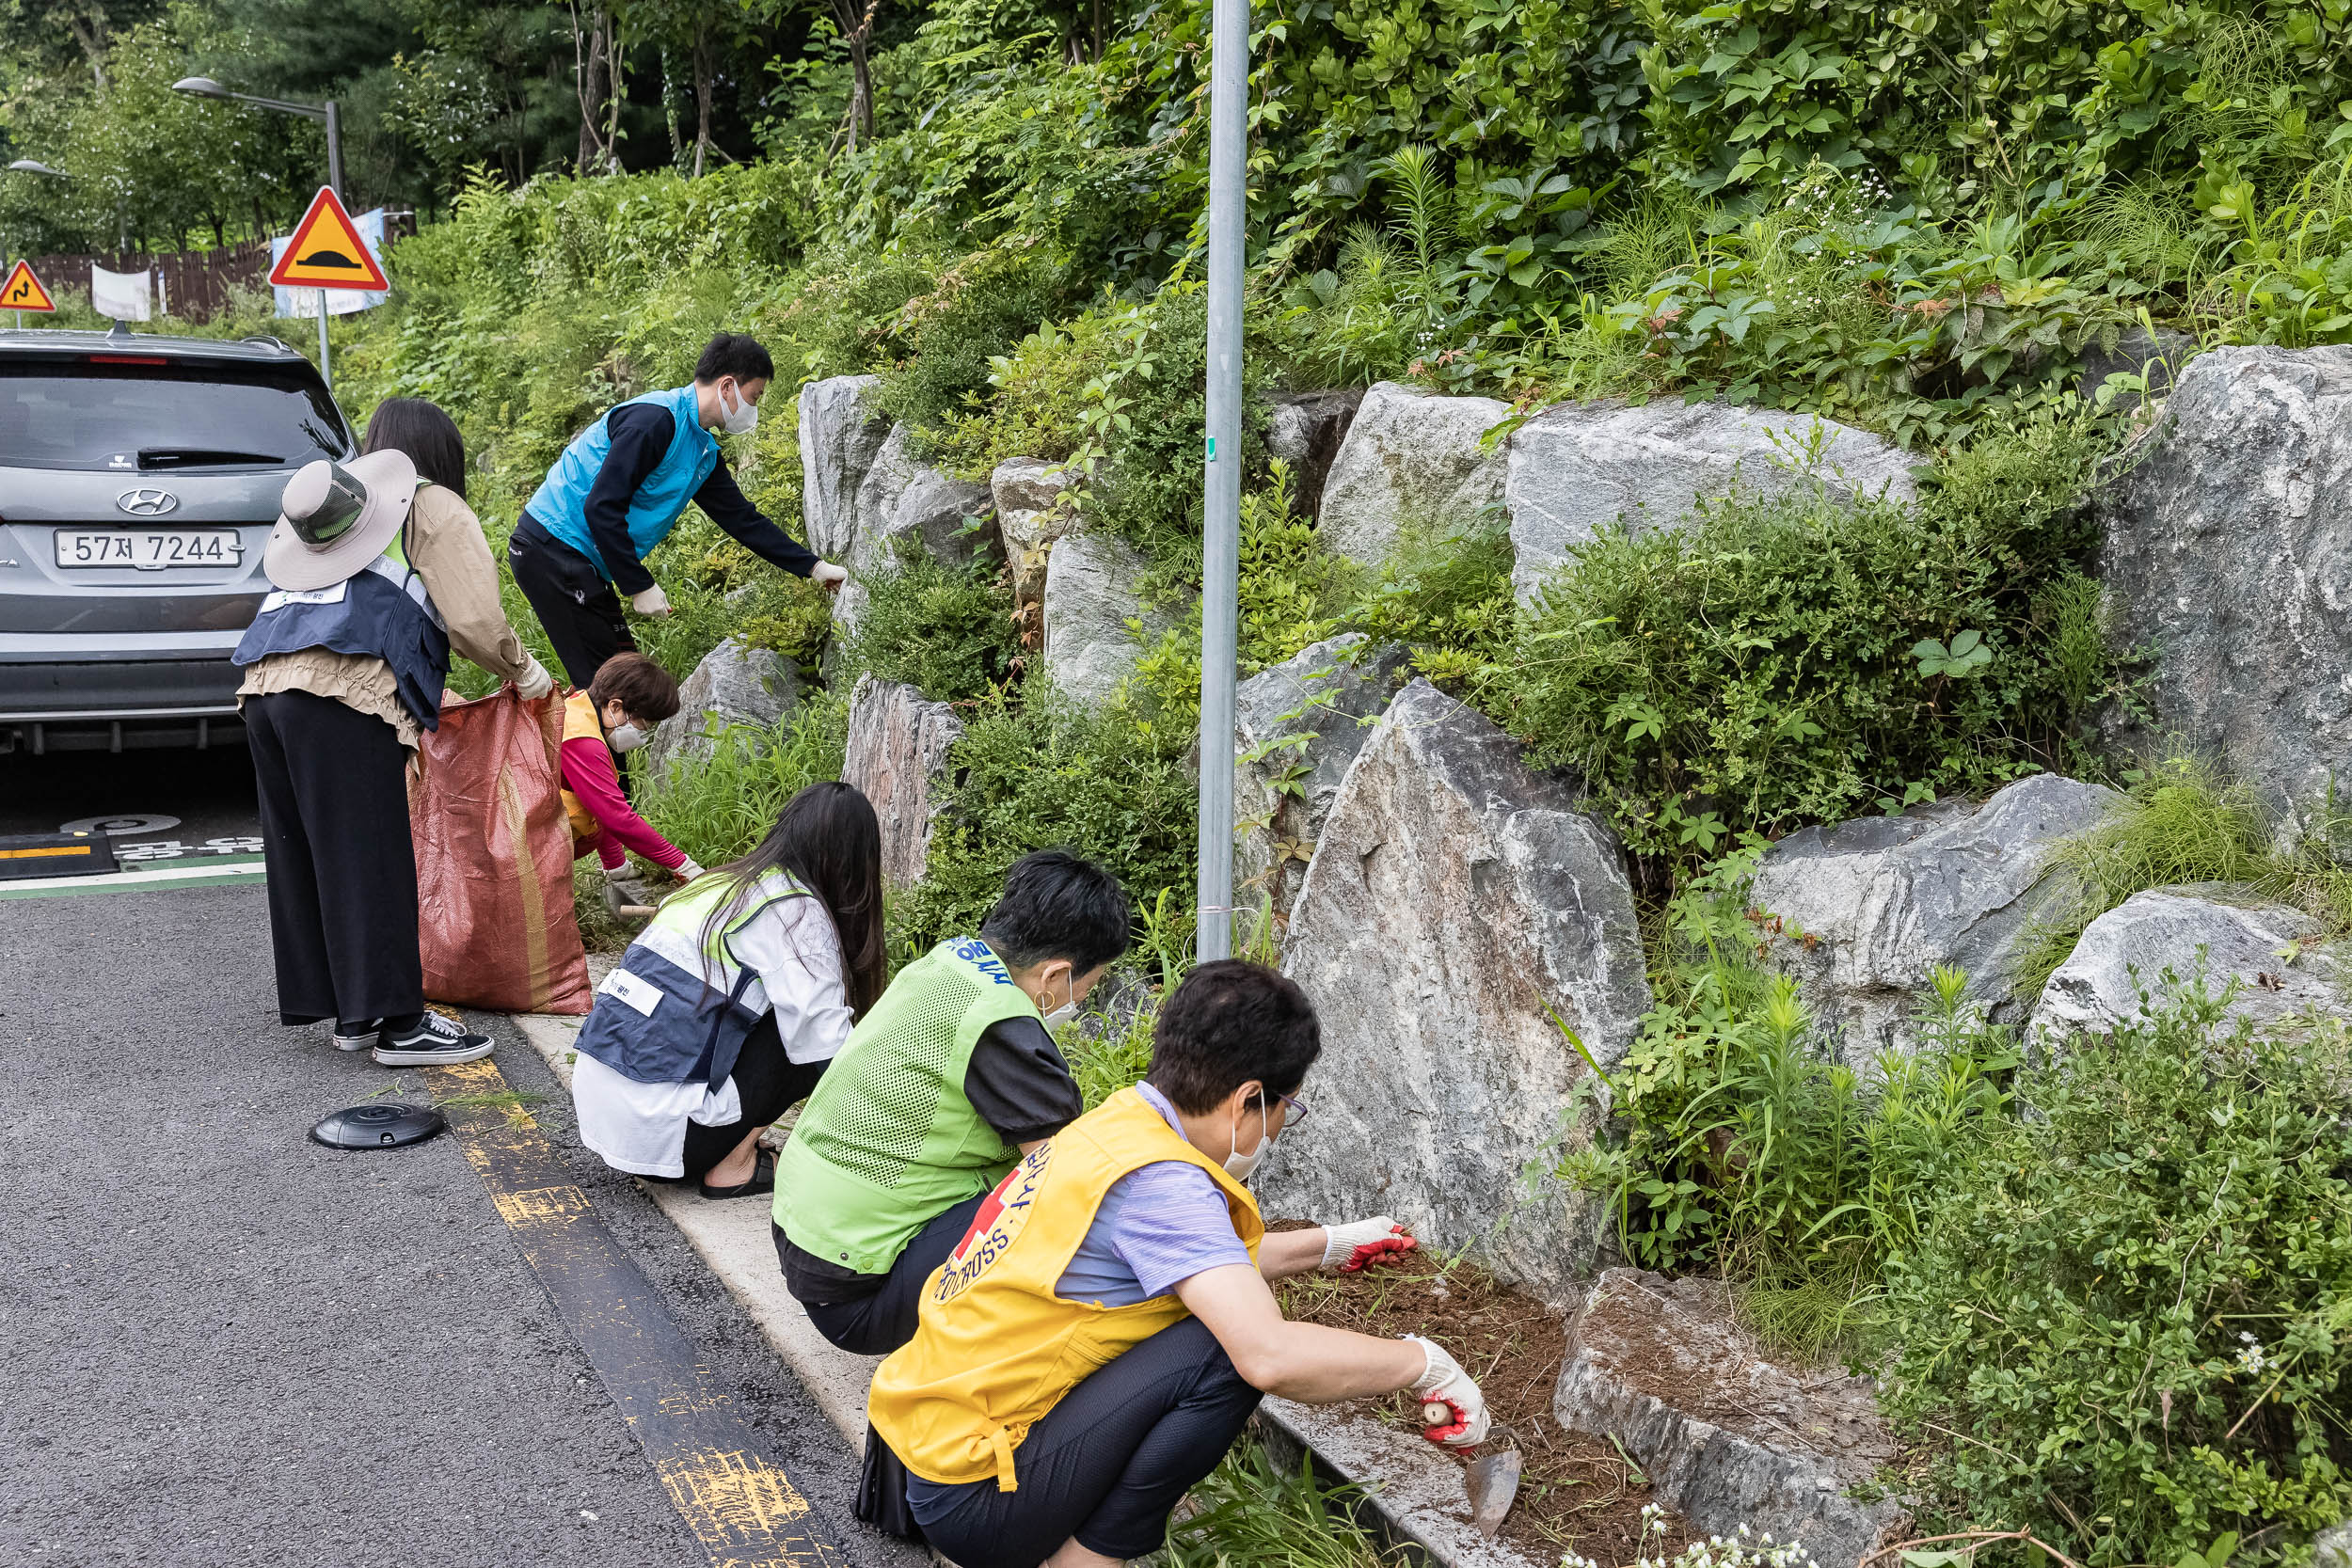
pixel 580 724
pixel 996 1348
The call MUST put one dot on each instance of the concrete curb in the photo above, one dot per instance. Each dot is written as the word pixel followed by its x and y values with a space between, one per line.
pixel 1412 1494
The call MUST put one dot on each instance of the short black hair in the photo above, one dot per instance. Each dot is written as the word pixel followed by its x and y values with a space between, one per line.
pixel 1229 1022
pixel 1057 906
pixel 643 689
pixel 734 354
pixel 430 438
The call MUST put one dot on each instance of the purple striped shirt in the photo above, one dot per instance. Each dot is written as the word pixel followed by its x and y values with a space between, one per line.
pixel 1159 1226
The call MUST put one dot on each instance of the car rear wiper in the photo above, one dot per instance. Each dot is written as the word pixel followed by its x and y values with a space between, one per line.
pixel 200 457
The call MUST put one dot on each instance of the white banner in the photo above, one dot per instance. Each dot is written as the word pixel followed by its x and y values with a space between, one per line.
pixel 340 302
pixel 126 297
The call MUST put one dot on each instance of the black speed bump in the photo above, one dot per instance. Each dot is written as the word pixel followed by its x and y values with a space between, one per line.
pixel 27 855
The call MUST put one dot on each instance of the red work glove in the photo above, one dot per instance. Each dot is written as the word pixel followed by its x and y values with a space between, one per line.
pixel 1349 1248
pixel 1453 1411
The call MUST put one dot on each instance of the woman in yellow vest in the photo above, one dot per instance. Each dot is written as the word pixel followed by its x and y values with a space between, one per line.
pixel 630 695
pixel 1095 1344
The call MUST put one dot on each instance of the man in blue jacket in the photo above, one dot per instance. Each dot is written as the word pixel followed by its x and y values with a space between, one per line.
pixel 619 490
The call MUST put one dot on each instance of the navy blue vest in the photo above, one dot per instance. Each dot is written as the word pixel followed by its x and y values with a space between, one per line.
pixel 382 610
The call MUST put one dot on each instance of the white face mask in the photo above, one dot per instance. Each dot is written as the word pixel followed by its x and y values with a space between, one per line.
pixel 1068 1010
pixel 742 418
pixel 626 737
pixel 1239 1165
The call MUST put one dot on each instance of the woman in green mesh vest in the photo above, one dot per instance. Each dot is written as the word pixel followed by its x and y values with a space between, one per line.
pixel 951 1078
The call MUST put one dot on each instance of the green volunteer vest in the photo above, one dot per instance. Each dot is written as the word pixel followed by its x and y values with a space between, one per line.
pixel 888 1142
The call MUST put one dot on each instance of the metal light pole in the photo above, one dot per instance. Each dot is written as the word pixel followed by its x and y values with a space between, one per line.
pixel 204 86
pixel 33 166
pixel 1220 585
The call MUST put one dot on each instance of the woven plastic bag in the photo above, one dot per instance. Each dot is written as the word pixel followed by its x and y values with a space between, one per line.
pixel 494 859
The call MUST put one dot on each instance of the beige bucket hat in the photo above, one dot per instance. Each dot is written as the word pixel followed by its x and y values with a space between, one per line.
pixel 336 517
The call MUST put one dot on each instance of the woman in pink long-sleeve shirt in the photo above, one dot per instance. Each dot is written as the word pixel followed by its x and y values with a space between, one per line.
pixel 617 713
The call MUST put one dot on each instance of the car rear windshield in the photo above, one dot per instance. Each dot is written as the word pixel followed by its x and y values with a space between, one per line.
pixel 172 415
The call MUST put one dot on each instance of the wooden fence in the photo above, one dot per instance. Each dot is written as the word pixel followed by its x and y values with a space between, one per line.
pixel 194 285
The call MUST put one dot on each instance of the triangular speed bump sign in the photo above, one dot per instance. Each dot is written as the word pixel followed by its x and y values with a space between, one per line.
pixel 328 253
pixel 23 290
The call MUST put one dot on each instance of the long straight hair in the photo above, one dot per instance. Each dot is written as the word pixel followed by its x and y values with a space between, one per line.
pixel 430 438
pixel 828 839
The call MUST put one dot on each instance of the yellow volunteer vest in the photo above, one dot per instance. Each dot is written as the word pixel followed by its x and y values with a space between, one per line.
pixel 580 724
pixel 997 1349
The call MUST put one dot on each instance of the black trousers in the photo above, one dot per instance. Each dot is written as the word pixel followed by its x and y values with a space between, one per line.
pixel 1106 1464
pixel 343 872
pixel 878 1324
pixel 578 609
pixel 768 1082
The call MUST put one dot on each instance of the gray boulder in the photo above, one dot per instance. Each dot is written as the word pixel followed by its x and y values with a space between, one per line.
pixel 1727 1436
pixel 898 756
pixel 1578 468
pixel 838 443
pixel 1091 599
pixel 1865 911
pixel 2333 1547
pixel 2214 930
pixel 1305 429
pixel 2228 546
pixel 1411 459
pixel 1456 901
pixel 904 499
pixel 1297 726
pixel 1033 510
pixel 734 684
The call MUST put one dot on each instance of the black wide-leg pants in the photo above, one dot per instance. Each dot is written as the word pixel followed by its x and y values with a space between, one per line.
pixel 343 872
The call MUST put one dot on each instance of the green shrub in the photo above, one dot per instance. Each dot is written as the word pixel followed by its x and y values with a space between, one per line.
pixel 1744 1147
pixel 1446 594
pixel 717 809
pixel 1291 587
pixel 2128 1321
pixel 1792 660
pixel 945 630
pixel 978 309
pixel 1029 778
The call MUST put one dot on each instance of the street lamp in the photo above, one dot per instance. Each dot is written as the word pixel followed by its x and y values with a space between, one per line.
pixel 204 86
pixel 33 166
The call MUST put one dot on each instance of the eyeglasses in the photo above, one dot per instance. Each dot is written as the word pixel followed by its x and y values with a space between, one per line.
pixel 1297 1109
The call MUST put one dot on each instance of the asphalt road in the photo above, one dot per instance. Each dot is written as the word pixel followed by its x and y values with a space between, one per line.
pixel 161 805
pixel 226 1345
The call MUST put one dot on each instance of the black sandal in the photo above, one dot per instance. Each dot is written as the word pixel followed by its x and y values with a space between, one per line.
pixel 763 1179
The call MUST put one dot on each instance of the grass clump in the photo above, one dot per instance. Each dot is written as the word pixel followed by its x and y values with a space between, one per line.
pixel 2185 822
pixel 1251 1510
pixel 2129 1316
pixel 717 808
pixel 945 630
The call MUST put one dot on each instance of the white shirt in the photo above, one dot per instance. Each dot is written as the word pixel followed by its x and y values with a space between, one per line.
pixel 791 947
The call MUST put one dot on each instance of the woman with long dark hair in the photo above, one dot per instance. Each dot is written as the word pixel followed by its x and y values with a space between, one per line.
pixel 727 1008
pixel 380 571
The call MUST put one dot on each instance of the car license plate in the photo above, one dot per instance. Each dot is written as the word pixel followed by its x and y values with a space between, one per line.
pixel 149 549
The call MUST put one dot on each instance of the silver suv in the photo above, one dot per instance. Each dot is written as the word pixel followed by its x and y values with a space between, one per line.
pixel 138 479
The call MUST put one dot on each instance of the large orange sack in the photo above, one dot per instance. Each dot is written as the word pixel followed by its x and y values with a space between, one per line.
pixel 494 859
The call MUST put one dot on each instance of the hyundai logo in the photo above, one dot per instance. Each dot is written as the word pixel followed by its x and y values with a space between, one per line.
pixel 147 503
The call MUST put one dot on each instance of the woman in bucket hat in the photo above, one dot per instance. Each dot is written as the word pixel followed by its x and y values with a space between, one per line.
pixel 379 570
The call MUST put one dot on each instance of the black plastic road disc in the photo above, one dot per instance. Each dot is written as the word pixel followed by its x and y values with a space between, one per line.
pixel 378 1126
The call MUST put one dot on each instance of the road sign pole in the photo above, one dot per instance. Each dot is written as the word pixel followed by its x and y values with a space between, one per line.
pixel 1228 135
pixel 334 149
pixel 327 372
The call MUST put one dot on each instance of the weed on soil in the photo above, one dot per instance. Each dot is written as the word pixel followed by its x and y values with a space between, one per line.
pixel 1579 1493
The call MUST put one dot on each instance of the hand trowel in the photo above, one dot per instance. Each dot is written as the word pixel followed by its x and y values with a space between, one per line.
pixel 1492 1483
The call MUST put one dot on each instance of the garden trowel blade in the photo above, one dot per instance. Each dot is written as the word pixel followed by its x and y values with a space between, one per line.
pixel 1492 1483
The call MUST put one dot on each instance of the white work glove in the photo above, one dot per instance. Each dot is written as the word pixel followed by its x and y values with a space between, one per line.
pixel 1453 1411
pixel 687 870
pixel 829 576
pixel 1349 1248
pixel 653 601
pixel 536 683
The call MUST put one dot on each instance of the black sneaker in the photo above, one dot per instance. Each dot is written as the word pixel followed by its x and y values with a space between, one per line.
pixel 434 1042
pixel 349 1035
